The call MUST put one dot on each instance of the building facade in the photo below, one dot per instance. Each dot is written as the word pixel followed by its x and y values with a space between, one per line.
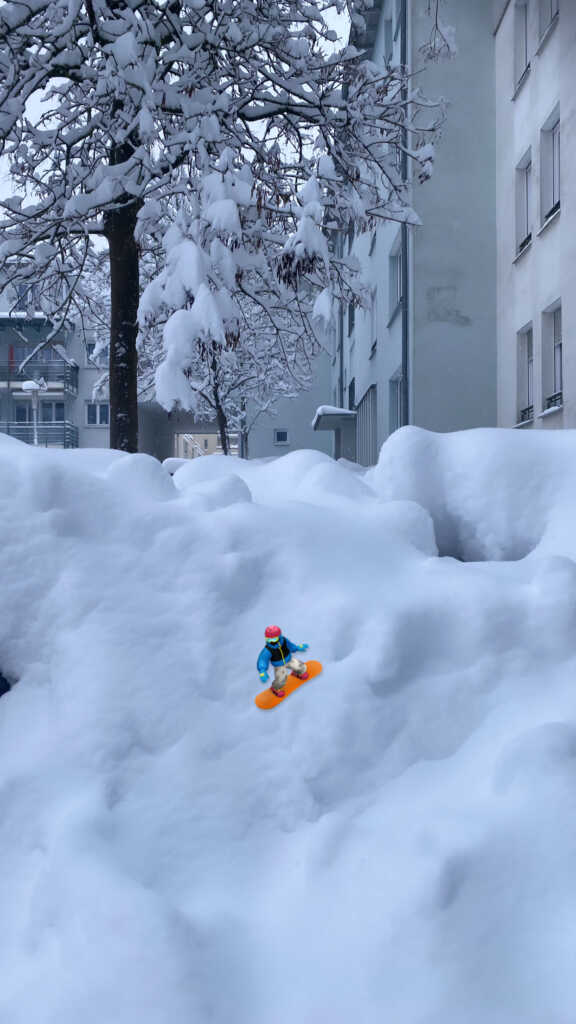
pixel 50 402
pixel 425 351
pixel 535 47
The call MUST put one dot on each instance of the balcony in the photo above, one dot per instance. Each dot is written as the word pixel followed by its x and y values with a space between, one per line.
pixel 58 374
pixel 553 401
pixel 50 435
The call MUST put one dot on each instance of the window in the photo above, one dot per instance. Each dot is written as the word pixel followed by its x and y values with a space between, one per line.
pixel 521 62
pixel 280 437
pixel 52 412
pixel 351 317
pixel 525 375
pixel 48 355
pixel 548 11
pixel 395 269
pixel 23 412
pixel 27 298
pixel 205 442
pixel 524 202
pixel 552 371
pixel 352 393
pixel 97 414
pixel 100 360
pixel 550 156
pixel 388 40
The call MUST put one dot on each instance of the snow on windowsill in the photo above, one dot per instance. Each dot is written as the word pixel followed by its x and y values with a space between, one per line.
pixel 521 81
pixel 550 220
pixel 520 254
pixel 523 423
pixel 548 412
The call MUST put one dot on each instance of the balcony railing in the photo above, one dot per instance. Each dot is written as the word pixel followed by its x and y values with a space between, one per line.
pixel 50 435
pixel 54 372
pixel 553 401
pixel 526 414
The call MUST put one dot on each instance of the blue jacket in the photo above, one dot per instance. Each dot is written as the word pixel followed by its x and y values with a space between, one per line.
pixel 265 655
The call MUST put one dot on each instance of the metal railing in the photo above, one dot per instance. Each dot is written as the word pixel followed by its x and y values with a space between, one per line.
pixel 553 400
pixel 526 414
pixel 53 372
pixel 50 435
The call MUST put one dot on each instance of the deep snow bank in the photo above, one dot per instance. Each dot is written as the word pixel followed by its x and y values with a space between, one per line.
pixel 396 842
pixel 493 494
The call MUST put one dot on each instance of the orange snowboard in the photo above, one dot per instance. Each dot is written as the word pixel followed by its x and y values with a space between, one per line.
pixel 267 699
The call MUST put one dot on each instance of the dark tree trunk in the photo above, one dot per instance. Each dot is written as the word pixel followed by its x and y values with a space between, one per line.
pixel 125 296
pixel 222 426
pixel 119 228
pixel 220 414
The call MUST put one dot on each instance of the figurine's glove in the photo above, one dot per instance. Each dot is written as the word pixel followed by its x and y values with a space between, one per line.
pixel 303 647
pixel 264 677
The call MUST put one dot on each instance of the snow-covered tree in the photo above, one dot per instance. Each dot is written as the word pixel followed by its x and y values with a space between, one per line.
pixel 109 109
pixel 232 330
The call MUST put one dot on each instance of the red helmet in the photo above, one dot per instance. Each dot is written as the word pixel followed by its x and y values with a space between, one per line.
pixel 273 632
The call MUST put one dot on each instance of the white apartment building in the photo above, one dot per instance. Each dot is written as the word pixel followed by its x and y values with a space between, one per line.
pixel 425 352
pixel 535 51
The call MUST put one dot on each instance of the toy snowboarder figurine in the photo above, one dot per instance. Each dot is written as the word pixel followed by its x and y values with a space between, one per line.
pixel 279 650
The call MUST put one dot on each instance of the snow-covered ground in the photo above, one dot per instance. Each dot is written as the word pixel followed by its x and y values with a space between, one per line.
pixel 396 842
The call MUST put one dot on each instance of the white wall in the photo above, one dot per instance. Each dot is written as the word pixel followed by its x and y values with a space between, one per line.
pixel 453 330
pixel 295 415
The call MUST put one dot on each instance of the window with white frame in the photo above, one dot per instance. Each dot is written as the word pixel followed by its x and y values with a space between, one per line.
pixel 23 412
pixel 548 11
pixel 550 166
pixel 524 202
pixel 521 62
pixel 97 414
pixel 552 370
pixel 525 375
pixel 52 412
pixel 395 271
pixel 281 437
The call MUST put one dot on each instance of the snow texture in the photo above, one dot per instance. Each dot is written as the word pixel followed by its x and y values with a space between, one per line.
pixel 396 842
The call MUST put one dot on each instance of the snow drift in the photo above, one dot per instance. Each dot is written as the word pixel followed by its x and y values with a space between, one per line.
pixel 396 842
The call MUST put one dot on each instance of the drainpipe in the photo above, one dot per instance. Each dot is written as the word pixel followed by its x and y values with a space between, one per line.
pixel 404 235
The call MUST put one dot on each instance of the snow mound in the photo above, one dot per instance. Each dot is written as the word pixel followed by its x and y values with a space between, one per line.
pixel 143 477
pixel 408 815
pixel 492 493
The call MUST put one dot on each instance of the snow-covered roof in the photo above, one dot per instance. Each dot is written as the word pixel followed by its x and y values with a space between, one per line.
pixel 330 414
